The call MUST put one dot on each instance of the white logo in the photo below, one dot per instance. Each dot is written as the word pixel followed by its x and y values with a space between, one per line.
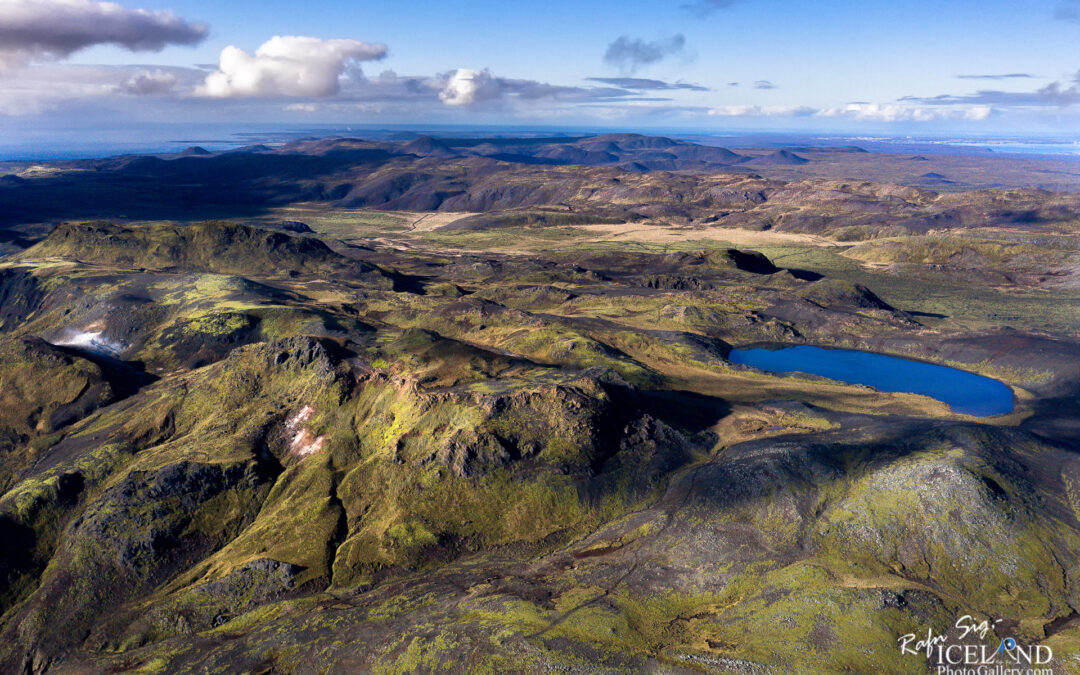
pixel 953 657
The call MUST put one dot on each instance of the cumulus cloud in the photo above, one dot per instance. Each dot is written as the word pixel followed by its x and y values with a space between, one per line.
pixel 629 54
pixel 978 113
pixel 645 84
pixel 33 30
pixel 704 8
pixel 762 111
pixel 466 87
pixel 149 83
pixel 287 66
pixel 44 87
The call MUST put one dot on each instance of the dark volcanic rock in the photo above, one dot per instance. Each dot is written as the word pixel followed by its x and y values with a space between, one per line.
pixel 134 536
pixel 20 295
pixel 291 226
pixel 752 261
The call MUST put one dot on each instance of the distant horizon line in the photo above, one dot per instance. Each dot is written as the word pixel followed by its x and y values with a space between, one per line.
pixel 76 143
pixel 289 128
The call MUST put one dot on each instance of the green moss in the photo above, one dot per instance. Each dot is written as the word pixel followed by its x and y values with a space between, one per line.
pixel 803 421
pixel 422 655
pixel 410 535
pixel 216 325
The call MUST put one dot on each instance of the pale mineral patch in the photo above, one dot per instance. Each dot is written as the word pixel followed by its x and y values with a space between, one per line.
pixel 303 442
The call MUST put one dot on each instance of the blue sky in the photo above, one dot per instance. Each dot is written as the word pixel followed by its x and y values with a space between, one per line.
pixel 752 64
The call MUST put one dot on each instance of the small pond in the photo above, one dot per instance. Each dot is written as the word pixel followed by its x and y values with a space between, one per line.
pixel 964 392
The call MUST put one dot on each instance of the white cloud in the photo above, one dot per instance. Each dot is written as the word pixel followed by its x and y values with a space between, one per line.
pixel 43 87
pixel 40 88
pixel 874 112
pixel 863 112
pixel 287 66
pixel 466 86
pixel 33 30
pixel 148 83
pixel 762 111
pixel 894 112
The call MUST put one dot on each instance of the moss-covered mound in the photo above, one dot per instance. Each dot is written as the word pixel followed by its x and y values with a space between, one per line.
pixel 43 389
pixel 212 246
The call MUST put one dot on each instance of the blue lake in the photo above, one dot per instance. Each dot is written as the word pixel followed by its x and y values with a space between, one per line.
pixel 964 392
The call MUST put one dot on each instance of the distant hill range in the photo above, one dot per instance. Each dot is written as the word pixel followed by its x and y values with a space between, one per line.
pixel 634 151
pixel 415 173
pixel 558 179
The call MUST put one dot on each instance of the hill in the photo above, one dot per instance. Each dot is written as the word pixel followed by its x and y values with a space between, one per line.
pixel 779 158
pixel 217 247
